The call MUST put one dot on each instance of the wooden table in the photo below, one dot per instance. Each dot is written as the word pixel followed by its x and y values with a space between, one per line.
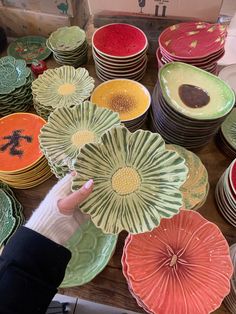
pixel 110 286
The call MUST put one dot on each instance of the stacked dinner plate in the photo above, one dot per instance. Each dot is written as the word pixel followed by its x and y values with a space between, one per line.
pixel 195 189
pixel 127 97
pixel 119 51
pixel 226 137
pixel 225 194
pixel 189 105
pixel 22 164
pixel 15 86
pixel 11 213
pixel 175 259
pixel 61 87
pixel 230 300
pixel 69 46
pixel 197 43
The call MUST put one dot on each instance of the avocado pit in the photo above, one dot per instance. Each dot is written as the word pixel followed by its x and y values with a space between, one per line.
pixel 193 96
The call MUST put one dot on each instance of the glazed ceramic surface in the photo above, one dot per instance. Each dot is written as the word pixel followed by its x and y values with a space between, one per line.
pixel 91 251
pixel 136 180
pixel 19 144
pixel 7 221
pixel 129 98
pixel 13 74
pixel 181 267
pixel 193 40
pixel 68 129
pixel 228 129
pixel 63 86
pixel 208 97
pixel 119 40
pixel 29 48
pixel 195 188
pixel 228 74
pixel 67 38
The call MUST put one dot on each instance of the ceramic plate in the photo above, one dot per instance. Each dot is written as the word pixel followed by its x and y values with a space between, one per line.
pixel 195 93
pixel 14 74
pixel 67 38
pixel 193 39
pixel 183 266
pixel 136 180
pixel 29 48
pixel 19 144
pixel 228 129
pixel 63 86
pixel 119 40
pixel 228 74
pixel 129 98
pixel 91 251
pixel 68 129
pixel 195 189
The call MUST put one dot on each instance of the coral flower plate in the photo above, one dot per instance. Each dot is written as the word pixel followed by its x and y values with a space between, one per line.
pixel 136 180
pixel 181 267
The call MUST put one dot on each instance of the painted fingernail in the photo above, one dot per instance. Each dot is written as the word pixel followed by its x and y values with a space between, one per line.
pixel 88 184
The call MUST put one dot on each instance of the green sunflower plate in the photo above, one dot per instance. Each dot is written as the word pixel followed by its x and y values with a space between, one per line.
pixel 136 180
pixel 91 251
pixel 29 48
pixel 68 129
pixel 62 87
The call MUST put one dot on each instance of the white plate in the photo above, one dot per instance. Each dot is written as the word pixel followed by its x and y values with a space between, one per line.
pixel 228 74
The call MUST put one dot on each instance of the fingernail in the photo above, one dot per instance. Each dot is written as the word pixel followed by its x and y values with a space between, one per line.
pixel 88 184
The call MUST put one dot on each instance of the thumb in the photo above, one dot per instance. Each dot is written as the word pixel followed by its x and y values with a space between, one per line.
pixel 68 204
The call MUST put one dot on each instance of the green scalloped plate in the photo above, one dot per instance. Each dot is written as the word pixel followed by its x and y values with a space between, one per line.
pixel 91 251
pixel 228 128
pixel 29 48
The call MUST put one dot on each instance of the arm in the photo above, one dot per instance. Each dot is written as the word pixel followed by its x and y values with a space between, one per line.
pixel 33 263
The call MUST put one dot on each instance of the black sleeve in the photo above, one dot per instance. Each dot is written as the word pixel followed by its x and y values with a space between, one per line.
pixel 31 269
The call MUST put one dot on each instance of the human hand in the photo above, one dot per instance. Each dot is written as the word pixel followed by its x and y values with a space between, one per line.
pixel 58 216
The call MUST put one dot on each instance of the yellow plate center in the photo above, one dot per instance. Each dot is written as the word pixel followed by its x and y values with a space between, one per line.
pixel 66 89
pixel 82 137
pixel 125 181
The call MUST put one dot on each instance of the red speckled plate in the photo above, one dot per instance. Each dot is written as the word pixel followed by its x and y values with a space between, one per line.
pixel 119 40
pixel 192 40
pixel 182 267
pixel 19 145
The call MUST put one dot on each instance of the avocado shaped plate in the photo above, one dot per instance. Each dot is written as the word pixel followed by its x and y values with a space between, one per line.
pixel 29 48
pixel 195 93
pixel 91 251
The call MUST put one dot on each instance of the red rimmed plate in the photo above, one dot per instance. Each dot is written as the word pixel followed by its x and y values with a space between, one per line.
pixel 181 267
pixel 119 40
pixel 232 177
pixel 19 145
pixel 192 40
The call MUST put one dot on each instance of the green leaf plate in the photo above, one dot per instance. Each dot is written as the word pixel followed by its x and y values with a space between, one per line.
pixel 29 48
pixel 91 251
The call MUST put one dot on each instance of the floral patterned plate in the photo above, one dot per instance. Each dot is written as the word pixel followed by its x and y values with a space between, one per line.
pixel 29 48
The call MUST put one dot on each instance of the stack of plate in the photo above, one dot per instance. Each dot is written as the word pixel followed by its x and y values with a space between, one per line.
pixel 69 46
pixel 61 87
pixel 68 129
pixel 119 51
pixel 197 43
pixel 91 251
pixel 225 194
pixel 129 98
pixel 174 260
pixel 15 86
pixel 195 189
pixel 226 137
pixel 22 164
pixel 11 213
pixel 189 105
pixel 230 300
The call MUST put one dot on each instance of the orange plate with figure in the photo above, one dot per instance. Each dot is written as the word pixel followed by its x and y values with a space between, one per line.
pixel 19 145
pixel 127 97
